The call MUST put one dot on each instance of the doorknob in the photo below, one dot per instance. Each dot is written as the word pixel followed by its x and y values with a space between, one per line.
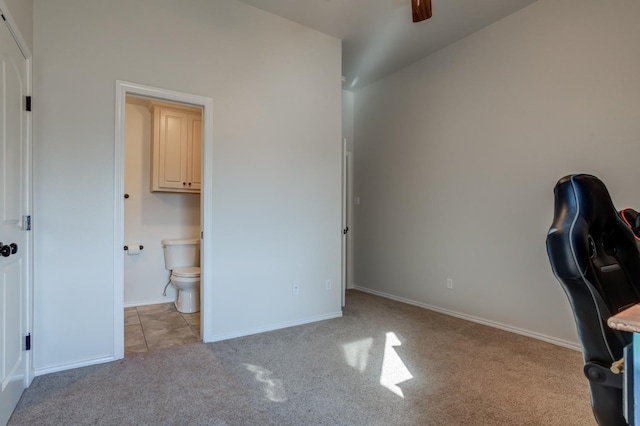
pixel 6 251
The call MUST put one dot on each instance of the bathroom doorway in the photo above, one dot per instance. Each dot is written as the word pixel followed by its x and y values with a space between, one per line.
pixel 147 214
pixel 163 142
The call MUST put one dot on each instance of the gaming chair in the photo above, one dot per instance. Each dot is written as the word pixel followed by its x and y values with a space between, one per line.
pixel 594 255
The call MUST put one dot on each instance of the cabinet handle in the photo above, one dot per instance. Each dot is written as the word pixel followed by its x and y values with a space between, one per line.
pixel 184 183
pixel 189 183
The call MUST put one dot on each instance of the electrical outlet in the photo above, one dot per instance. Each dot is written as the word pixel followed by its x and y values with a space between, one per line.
pixel 296 289
pixel 328 284
pixel 449 283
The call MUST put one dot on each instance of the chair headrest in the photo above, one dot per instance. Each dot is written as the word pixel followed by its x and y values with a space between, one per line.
pixel 585 220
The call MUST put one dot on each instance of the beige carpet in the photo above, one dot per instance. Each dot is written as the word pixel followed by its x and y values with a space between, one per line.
pixel 383 363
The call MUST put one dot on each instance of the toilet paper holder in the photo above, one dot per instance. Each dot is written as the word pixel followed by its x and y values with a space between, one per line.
pixel 127 247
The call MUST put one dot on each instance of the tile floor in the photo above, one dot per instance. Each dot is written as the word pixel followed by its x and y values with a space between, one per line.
pixel 147 328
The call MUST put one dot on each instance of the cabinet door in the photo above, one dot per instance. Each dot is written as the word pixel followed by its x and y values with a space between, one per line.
pixel 173 136
pixel 194 152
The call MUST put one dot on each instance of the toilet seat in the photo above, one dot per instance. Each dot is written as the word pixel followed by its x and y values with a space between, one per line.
pixel 189 272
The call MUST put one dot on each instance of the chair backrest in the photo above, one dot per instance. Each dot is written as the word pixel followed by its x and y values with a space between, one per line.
pixel 595 257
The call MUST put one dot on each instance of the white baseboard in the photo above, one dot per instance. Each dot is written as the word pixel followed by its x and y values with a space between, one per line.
pixel 148 302
pixel 72 365
pixel 494 324
pixel 272 327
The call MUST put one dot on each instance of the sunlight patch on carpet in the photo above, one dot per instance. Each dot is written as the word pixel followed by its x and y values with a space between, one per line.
pixel 273 388
pixel 393 369
pixel 357 353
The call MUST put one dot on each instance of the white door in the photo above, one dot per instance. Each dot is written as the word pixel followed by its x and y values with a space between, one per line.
pixel 13 282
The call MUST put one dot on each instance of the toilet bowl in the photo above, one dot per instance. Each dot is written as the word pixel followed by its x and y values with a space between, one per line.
pixel 187 282
pixel 182 258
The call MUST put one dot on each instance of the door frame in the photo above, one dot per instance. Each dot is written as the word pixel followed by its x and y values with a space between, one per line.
pixel 27 189
pixel 123 89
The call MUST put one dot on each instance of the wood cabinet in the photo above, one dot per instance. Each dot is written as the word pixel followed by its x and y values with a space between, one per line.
pixel 176 147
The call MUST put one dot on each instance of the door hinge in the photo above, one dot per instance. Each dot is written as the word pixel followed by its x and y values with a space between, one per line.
pixel 27 342
pixel 26 223
pixel 28 103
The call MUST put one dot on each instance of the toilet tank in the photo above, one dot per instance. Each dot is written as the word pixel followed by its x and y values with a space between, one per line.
pixel 181 253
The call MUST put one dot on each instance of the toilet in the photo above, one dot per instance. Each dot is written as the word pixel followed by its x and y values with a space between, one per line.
pixel 182 258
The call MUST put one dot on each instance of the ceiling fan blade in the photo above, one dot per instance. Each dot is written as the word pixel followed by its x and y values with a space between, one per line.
pixel 421 10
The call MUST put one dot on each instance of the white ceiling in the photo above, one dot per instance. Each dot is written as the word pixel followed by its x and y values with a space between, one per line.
pixel 379 36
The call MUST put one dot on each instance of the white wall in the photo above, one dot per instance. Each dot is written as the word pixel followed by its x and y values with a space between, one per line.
pixel 458 154
pixel 150 217
pixel 276 88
